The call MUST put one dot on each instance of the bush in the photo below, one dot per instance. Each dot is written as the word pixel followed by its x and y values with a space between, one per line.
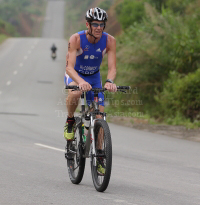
pixel 7 28
pixel 105 5
pixel 149 50
pixel 2 38
pixel 178 6
pixel 129 12
pixel 181 94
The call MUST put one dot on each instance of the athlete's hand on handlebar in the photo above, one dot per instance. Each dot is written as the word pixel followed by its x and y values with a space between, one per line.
pixel 110 87
pixel 84 86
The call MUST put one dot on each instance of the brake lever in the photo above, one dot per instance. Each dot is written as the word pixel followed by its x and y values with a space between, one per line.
pixel 122 91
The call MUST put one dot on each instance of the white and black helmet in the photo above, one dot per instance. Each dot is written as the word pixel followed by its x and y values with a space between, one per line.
pixel 96 14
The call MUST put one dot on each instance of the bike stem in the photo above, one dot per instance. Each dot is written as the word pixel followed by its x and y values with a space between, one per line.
pixel 96 97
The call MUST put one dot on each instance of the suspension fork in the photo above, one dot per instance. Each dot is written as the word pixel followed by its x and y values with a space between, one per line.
pixel 92 136
pixel 92 148
pixel 92 122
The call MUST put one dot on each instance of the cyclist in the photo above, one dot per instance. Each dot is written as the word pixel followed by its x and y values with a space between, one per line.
pixel 86 50
pixel 53 48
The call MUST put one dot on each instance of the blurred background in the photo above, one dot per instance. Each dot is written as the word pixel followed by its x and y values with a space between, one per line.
pixel 158 55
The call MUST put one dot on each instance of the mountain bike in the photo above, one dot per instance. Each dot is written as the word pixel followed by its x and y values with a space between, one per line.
pixel 92 140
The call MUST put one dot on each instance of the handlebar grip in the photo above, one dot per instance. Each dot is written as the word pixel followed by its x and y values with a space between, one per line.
pixel 123 87
pixel 75 87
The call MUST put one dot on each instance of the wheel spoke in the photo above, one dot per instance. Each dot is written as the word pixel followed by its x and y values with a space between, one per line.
pixel 103 147
pixel 77 164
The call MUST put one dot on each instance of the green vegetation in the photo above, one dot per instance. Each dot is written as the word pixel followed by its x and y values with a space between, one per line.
pixel 129 12
pixel 105 4
pixel 20 17
pixel 7 28
pixel 2 38
pixel 153 52
pixel 181 94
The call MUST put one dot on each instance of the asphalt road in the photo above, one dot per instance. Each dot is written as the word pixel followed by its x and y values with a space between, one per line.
pixel 147 168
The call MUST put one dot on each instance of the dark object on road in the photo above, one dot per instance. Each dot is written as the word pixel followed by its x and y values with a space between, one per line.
pixel 53 54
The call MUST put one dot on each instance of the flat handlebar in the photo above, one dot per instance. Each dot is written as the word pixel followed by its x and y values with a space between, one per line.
pixel 76 87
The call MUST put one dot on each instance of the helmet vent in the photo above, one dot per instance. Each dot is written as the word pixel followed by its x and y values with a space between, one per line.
pixel 96 14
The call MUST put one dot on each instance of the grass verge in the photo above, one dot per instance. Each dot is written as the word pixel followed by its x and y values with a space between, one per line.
pixel 3 38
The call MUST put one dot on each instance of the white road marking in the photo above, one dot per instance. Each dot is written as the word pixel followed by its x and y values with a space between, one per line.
pixel 119 201
pixel 8 83
pixel 15 72
pixel 21 64
pixel 122 201
pixel 25 57
pixel 49 147
pixel 0 92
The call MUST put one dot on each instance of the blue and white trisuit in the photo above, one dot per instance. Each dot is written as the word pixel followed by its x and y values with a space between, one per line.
pixel 88 62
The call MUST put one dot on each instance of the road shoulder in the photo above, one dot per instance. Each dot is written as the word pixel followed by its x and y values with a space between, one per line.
pixel 180 132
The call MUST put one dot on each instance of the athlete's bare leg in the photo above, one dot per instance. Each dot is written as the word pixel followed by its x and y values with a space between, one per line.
pixel 101 132
pixel 72 100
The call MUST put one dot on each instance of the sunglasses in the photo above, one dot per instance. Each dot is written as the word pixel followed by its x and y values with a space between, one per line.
pixel 96 25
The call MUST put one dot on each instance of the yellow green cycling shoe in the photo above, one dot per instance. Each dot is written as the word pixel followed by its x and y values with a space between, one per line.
pixel 69 131
pixel 100 169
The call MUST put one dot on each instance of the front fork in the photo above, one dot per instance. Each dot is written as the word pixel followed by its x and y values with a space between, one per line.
pixel 92 136
pixel 92 147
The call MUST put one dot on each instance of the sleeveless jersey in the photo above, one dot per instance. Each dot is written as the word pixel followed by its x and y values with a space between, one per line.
pixel 90 56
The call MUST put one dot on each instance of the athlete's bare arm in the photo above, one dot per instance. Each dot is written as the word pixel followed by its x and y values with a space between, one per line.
pixel 73 47
pixel 111 50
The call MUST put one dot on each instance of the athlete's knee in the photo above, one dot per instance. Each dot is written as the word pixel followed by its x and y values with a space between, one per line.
pixel 75 94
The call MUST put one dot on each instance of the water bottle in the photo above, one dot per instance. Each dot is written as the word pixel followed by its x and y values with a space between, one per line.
pixel 84 136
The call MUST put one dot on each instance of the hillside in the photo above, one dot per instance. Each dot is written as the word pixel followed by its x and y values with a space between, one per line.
pixel 21 17
pixel 113 25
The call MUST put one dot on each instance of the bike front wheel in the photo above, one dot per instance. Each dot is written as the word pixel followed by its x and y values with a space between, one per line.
pixel 74 155
pixel 103 146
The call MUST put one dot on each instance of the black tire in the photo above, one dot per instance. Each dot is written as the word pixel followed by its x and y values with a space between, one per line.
pixel 76 162
pixel 101 181
pixel 53 55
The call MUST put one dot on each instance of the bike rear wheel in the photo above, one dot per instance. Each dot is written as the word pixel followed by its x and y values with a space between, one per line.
pixel 103 147
pixel 74 155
